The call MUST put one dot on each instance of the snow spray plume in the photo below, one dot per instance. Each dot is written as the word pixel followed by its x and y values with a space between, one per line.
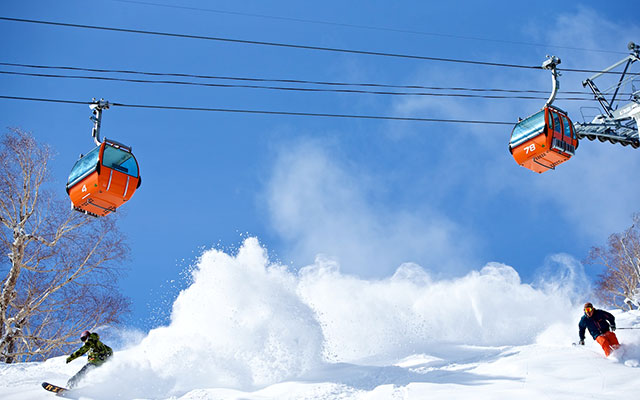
pixel 120 338
pixel 408 313
pixel 240 324
pixel 564 275
pixel 245 322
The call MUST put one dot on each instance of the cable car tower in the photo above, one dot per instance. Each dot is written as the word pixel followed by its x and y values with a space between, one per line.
pixel 617 124
pixel 548 138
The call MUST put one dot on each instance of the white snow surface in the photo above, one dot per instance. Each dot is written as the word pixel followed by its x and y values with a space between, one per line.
pixel 249 328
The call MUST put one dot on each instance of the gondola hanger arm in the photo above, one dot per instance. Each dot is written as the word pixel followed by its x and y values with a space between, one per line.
pixel 551 63
pixel 97 106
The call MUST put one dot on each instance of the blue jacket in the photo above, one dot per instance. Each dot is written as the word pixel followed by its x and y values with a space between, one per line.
pixel 598 323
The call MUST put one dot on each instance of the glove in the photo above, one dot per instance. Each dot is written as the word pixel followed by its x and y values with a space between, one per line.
pixel 69 359
pixel 613 328
pixel 581 342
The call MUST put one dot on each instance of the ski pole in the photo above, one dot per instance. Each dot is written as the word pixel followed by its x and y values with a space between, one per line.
pixel 628 328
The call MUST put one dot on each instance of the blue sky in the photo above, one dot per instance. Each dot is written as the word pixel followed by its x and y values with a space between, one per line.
pixel 371 194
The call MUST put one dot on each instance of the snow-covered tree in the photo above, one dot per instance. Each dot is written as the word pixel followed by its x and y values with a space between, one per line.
pixel 618 284
pixel 635 300
pixel 58 267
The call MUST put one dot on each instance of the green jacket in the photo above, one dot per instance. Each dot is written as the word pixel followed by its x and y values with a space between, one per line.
pixel 98 351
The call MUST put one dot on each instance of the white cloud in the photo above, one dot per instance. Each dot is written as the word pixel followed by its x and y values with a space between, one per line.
pixel 595 193
pixel 322 205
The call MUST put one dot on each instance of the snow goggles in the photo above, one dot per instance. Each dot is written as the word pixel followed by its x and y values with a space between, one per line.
pixel 588 309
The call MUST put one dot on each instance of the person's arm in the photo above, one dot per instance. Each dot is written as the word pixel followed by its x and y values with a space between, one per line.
pixel 78 353
pixel 582 326
pixel 610 319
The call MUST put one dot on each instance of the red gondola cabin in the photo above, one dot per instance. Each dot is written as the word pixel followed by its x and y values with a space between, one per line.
pixel 543 140
pixel 103 179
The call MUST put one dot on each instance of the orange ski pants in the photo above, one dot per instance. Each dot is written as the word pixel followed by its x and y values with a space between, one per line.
pixel 608 341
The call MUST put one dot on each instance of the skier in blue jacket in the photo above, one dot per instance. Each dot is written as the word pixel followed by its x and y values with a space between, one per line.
pixel 601 325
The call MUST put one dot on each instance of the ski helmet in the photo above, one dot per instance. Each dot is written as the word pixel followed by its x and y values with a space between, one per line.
pixel 84 335
pixel 588 309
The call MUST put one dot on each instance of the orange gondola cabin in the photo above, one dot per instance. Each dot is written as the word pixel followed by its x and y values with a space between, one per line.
pixel 103 179
pixel 544 140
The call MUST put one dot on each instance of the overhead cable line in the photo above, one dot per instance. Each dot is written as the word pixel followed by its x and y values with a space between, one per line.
pixel 287 88
pixel 367 27
pixel 263 43
pixel 264 112
pixel 287 45
pixel 273 80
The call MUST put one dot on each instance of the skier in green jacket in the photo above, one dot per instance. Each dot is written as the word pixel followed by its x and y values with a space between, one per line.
pixel 98 354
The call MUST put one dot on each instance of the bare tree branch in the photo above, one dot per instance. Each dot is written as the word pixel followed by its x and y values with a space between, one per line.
pixel 58 267
pixel 620 280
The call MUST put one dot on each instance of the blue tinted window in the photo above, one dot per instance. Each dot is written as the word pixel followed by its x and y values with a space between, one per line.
pixel 556 122
pixel 120 160
pixel 84 165
pixel 567 126
pixel 527 128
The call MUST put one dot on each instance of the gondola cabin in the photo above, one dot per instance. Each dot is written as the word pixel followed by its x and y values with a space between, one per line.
pixel 544 140
pixel 103 179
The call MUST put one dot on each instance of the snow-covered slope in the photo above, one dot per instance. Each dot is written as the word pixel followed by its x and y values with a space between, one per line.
pixel 465 372
pixel 247 328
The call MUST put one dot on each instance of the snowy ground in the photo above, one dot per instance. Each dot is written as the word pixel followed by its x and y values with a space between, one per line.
pixel 514 372
pixel 250 329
